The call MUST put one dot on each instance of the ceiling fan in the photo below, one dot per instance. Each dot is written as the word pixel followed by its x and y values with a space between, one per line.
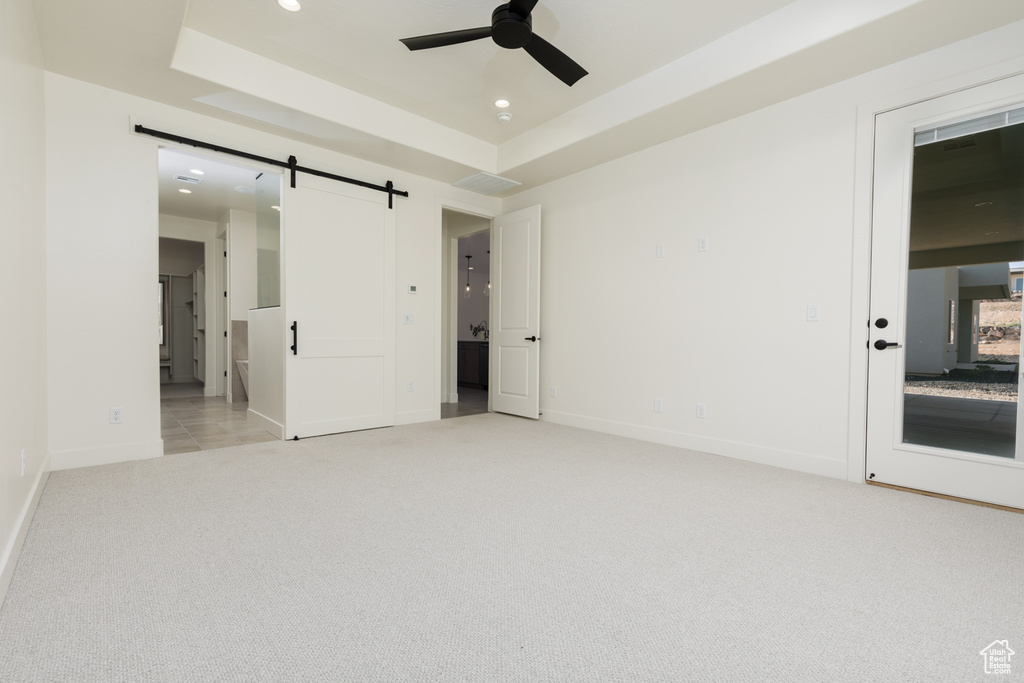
pixel 511 27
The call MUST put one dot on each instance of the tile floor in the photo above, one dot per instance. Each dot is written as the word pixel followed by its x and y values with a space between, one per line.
pixel 471 402
pixel 197 423
pixel 960 424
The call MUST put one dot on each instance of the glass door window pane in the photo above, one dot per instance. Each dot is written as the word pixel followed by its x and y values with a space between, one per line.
pixel 963 321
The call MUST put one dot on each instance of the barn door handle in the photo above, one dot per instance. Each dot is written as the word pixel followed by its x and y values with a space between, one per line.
pixel 295 338
pixel 533 338
pixel 882 345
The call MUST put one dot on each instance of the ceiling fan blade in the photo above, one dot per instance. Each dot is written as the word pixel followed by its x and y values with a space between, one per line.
pixel 449 38
pixel 522 7
pixel 554 60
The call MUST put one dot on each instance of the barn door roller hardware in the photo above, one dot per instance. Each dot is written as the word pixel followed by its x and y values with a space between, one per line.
pixel 292 164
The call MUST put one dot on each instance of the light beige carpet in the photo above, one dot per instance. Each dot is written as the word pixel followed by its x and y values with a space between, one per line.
pixel 490 548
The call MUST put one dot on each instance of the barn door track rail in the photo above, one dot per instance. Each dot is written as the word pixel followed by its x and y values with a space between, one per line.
pixel 292 164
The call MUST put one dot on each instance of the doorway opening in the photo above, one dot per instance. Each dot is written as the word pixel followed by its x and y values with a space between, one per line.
pixel 466 312
pixel 219 232
pixel 181 295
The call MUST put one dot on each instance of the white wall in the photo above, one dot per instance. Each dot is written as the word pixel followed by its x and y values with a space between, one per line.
pixel 179 257
pixel 242 257
pixel 775 193
pixel 929 291
pixel 266 369
pixel 22 278
pixel 103 238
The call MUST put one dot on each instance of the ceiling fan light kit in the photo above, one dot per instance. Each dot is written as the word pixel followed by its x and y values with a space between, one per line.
pixel 511 28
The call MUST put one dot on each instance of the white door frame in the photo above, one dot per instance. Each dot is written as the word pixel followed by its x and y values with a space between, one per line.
pixel 445 301
pixel 861 252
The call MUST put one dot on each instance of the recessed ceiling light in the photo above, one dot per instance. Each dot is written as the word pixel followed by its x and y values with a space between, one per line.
pixel 275 207
pixel 184 191
pixel 290 5
pixel 501 104
pixel 197 171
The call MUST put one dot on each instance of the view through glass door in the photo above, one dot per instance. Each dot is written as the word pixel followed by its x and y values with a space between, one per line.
pixel 947 269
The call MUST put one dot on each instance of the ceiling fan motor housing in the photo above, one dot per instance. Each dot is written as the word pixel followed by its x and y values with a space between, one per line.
pixel 509 30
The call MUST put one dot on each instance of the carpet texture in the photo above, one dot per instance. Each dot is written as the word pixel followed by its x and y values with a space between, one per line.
pixel 490 548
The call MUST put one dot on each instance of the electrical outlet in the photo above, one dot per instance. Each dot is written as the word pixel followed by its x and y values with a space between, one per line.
pixel 702 411
pixel 812 313
pixel 116 416
pixel 554 392
pixel 411 386
pixel 410 318
pixel 702 244
pixel 659 251
pixel 23 462
pixel 657 405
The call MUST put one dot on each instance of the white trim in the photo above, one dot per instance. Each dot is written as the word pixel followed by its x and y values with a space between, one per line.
pixel 106 455
pixel 415 416
pixel 265 423
pixel 9 560
pixel 775 457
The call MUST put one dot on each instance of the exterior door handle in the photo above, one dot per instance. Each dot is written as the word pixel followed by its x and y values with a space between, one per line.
pixel 533 338
pixel 295 338
pixel 882 345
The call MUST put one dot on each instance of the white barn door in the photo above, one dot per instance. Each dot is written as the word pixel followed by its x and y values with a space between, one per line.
pixel 339 243
pixel 515 327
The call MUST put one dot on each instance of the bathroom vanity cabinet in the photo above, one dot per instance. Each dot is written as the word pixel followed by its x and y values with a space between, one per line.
pixel 473 364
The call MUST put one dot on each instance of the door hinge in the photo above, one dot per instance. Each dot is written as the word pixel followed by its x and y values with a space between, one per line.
pixel 225 294
pixel 225 254
pixel 225 333
pixel 225 373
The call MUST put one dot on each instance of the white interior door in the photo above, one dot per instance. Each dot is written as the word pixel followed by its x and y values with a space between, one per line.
pixel 930 236
pixel 515 328
pixel 340 292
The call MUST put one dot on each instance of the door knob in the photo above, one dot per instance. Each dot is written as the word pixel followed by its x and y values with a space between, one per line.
pixel 882 345
pixel 533 338
pixel 881 323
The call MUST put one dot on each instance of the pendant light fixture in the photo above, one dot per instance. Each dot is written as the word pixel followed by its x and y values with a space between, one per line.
pixel 468 257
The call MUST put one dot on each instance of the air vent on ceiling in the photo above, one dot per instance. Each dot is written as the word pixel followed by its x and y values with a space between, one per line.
pixel 188 179
pixel 486 183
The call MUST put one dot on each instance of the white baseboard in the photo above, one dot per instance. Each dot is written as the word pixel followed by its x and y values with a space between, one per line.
pixel 416 416
pixel 790 460
pixel 264 422
pixel 106 455
pixel 9 559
